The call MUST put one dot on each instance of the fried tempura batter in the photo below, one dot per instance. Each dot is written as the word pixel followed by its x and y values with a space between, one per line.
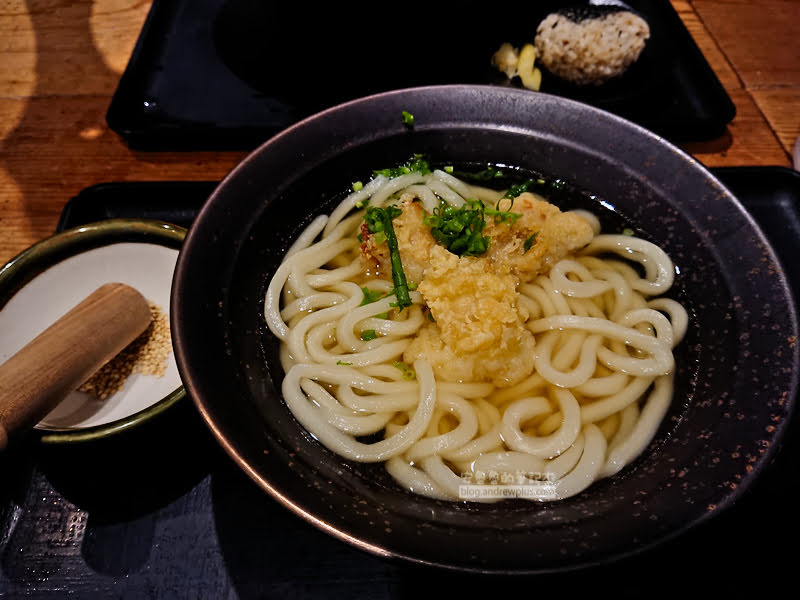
pixel 557 235
pixel 477 319
pixel 479 331
pixel 413 238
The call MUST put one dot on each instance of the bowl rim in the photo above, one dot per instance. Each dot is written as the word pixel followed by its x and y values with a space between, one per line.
pixel 40 256
pixel 239 455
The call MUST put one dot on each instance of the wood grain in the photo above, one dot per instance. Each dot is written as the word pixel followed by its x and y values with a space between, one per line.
pixel 55 38
pixel 761 39
pixel 115 27
pixel 781 108
pixel 62 145
pixel 749 140
pixel 708 45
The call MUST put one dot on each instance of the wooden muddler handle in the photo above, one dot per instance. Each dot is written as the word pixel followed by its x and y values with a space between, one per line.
pixel 66 354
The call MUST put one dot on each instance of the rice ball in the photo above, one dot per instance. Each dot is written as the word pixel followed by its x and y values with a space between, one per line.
pixel 590 45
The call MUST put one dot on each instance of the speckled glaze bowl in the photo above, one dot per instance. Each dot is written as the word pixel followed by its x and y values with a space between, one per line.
pixel 737 367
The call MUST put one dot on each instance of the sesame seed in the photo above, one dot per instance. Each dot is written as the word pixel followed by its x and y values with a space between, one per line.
pixel 147 355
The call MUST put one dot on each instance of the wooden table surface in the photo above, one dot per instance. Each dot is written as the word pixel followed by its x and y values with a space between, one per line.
pixel 61 60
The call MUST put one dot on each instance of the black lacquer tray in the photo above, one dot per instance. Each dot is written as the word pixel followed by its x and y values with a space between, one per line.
pixel 228 74
pixel 161 512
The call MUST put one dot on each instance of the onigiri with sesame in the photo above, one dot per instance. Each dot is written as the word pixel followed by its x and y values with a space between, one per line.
pixel 590 44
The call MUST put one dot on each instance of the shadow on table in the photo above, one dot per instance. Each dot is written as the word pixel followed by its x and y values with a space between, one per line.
pixel 93 507
pixel 135 472
pixel 270 552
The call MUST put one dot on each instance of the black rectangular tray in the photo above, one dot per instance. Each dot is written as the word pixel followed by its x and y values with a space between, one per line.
pixel 161 512
pixel 228 74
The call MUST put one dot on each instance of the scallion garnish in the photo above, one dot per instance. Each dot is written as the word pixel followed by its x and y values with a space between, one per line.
pixel 529 242
pixel 416 164
pixel 379 221
pixel 408 372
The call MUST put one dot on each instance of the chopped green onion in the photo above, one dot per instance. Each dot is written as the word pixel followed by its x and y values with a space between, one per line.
pixel 501 216
pixel 368 334
pixel 379 220
pixel 487 174
pixel 341 362
pixel 529 242
pixel 408 118
pixel 370 296
pixel 408 372
pixel 460 230
pixel 357 185
pixel 516 190
pixel 416 164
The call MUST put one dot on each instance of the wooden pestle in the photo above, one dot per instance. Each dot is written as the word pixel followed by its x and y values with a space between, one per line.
pixel 66 354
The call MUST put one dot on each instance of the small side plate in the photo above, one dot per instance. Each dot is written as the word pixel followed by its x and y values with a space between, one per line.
pixel 46 280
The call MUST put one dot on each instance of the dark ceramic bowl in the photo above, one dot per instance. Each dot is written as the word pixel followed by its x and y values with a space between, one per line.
pixel 737 367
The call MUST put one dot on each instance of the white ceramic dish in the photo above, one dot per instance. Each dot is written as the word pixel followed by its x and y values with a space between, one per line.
pixel 45 281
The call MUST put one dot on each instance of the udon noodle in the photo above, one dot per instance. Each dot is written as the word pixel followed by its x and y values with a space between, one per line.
pixel 580 394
